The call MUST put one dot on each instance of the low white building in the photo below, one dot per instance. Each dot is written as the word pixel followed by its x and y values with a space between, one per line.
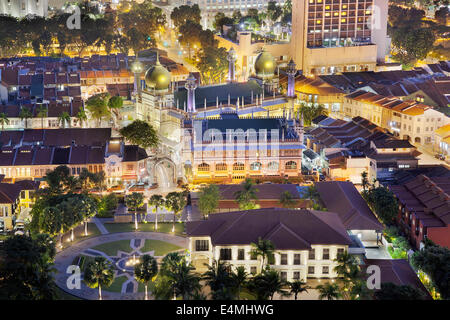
pixel 22 8
pixel 306 242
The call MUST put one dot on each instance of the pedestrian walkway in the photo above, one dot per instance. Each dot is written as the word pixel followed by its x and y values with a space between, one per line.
pixel 66 257
pixel 100 225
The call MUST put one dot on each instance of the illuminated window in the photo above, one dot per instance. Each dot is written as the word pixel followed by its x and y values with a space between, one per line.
pixel 336 14
pixel 311 1
pixel 368 12
pixel 327 14
pixel 344 13
pixel 204 167
pixel 344 6
pixel 318 22
pixel 343 20
pixel 319 1
pixel 327 7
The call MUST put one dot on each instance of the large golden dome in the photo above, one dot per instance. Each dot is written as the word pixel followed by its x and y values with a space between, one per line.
pixel 157 77
pixel 265 65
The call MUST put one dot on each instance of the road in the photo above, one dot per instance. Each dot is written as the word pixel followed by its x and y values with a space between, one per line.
pixel 173 49
pixel 427 157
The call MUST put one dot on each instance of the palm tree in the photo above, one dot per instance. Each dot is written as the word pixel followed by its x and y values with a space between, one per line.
pixel 348 271
pixel 247 196
pixel 99 273
pixel 297 287
pixel 157 201
pixel 287 200
pixel 263 248
pixel 42 113
pixel 329 291
pixel 182 281
pixel 3 120
pixel 175 201
pixel 239 279
pixel 135 201
pixel 63 118
pixel 266 284
pixel 218 278
pixel 146 271
pixel 81 117
pixel 25 114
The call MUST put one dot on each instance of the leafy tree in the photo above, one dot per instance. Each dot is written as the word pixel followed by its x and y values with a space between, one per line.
pixel 329 291
pixel 274 11
pixel 219 279
pixel 99 273
pixel 213 64
pixel 237 16
pixel 97 105
pixel 364 180
pixel 26 269
pixel 220 20
pixel 266 284
pixel 25 114
pixel 264 249
pixel 145 271
pixel 434 260
pixel 134 201
pixel 157 201
pixel 190 35
pixel 175 201
pixel 3 120
pixel 383 202
pixel 412 44
pixel 208 200
pixel 182 14
pixel 287 200
pixel 247 196
pixel 141 133
pixel 297 287
pixel 391 291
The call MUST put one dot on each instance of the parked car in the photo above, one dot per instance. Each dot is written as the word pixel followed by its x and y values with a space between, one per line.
pixel 19 229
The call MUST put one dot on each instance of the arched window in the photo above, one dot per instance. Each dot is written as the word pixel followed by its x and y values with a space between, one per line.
pixel 256 166
pixel 291 165
pixel 204 167
pixel 238 166
pixel 221 167
pixel 273 166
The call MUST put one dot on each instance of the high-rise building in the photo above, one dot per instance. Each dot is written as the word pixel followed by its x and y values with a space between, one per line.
pixel 210 8
pixel 330 36
pixel 22 8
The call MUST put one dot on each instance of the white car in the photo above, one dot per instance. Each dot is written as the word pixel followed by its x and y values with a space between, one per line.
pixel 19 229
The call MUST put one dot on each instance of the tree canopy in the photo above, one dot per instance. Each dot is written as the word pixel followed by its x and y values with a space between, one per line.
pixel 141 133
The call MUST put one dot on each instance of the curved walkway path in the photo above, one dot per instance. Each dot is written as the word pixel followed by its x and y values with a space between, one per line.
pixel 65 258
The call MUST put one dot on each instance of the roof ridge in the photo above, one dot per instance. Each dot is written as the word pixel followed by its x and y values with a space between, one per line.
pixel 282 225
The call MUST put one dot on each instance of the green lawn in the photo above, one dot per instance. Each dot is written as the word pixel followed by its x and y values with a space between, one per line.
pixel 164 227
pixel 141 287
pixel 111 248
pixel 161 247
pixel 62 295
pixel 79 234
pixel 116 286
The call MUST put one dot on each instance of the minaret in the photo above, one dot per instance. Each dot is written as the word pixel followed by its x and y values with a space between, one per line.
pixel 291 71
pixel 190 86
pixel 231 57
pixel 137 68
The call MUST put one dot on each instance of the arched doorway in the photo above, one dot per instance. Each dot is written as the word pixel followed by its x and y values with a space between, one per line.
pixel 164 172
pixel 417 139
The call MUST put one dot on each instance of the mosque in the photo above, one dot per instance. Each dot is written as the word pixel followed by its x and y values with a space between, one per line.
pixel 225 132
